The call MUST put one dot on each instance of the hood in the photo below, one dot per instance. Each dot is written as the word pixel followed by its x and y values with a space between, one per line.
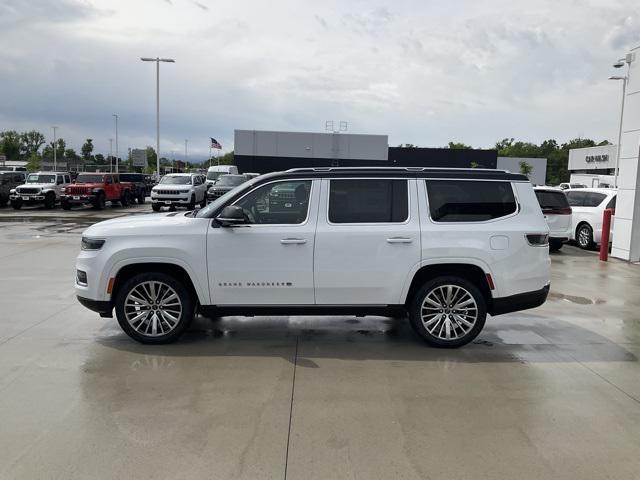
pixel 86 185
pixel 146 224
pixel 171 187
pixel 221 188
pixel 36 185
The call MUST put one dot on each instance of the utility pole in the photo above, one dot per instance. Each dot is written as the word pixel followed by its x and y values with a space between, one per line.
pixel 186 155
pixel 116 117
pixel 55 147
pixel 111 155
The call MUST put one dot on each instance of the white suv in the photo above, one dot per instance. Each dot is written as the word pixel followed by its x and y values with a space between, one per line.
pixel 446 246
pixel 179 189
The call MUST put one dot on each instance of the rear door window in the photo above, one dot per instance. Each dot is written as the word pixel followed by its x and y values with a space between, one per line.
pixel 469 200
pixel 368 201
pixel 593 199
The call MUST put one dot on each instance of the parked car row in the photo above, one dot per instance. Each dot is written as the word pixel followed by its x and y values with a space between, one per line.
pixel 58 188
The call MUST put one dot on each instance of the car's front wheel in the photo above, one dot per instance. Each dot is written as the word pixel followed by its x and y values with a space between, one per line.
pixel 448 311
pixel 154 308
pixel 584 236
pixel 155 207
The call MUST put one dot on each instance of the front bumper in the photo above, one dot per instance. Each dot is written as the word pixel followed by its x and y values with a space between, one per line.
pixel 86 198
pixel 520 301
pixel 105 309
pixel 170 200
pixel 28 198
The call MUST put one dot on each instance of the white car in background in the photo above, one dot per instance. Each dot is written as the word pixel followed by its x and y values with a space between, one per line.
pixel 571 186
pixel 588 205
pixel 179 190
pixel 557 212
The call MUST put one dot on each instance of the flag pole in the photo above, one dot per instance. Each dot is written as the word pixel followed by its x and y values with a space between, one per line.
pixel 209 153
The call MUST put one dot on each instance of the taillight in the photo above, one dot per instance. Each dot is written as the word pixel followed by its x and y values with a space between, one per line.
pixel 537 239
pixel 557 211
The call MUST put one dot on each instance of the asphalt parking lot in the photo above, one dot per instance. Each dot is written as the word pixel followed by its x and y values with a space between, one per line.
pixel 547 393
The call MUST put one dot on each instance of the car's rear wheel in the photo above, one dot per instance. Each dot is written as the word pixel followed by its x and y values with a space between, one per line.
pixel 555 244
pixel 584 236
pixel 126 198
pixel 141 198
pixel 16 204
pixel 65 205
pixel 154 308
pixel 448 312
pixel 155 207
pixel 192 203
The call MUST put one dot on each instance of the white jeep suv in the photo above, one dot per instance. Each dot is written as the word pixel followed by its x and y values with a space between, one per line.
pixel 445 246
pixel 179 189
pixel 40 188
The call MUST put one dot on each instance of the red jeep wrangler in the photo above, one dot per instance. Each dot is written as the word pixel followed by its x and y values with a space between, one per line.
pixel 96 189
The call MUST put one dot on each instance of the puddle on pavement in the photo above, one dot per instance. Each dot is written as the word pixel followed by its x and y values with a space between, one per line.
pixel 576 299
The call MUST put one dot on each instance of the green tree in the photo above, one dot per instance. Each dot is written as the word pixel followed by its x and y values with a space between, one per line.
pixel 47 153
pixel 70 154
pixel 10 144
pixel 459 146
pixel 86 150
pixel 99 159
pixel 152 158
pixel 34 162
pixel 31 142
pixel 525 168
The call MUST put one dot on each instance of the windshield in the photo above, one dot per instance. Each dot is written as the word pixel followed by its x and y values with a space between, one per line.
pixel 89 178
pixel 230 180
pixel 208 211
pixel 131 177
pixel 35 178
pixel 170 180
pixel 214 175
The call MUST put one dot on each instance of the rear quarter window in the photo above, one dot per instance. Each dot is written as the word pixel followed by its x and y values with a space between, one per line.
pixel 593 199
pixel 469 200
pixel 548 199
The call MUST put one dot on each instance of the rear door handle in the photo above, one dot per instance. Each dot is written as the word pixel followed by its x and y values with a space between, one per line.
pixel 292 241
pixel 399 240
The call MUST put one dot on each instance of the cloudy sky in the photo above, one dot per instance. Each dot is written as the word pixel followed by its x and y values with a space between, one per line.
pixel 422 71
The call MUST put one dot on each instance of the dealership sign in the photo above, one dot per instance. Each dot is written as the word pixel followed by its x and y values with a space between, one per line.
pixel 597 158
pixel 139 157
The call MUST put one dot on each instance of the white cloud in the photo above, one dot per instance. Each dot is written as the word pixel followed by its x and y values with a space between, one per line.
pixel 423 72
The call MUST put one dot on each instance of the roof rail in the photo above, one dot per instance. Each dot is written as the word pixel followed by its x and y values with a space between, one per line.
pixel 406 169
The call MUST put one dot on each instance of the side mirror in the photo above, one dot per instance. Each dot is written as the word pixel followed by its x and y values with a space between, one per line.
pixel 231 215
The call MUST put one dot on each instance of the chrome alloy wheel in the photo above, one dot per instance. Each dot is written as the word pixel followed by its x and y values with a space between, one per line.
pixel 449 312
pixel 153 308
pixel 584 237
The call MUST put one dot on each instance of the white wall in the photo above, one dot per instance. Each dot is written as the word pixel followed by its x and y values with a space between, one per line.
pixel 311 145
pixel 626 228
pixel 538 174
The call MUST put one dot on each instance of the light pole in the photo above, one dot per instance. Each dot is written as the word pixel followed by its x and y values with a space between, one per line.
pixel 619 64
pixel 157 60
pixel 111 155
pixel 55 160
pixel 116 117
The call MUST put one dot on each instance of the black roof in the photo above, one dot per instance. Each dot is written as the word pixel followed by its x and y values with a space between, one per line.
pixel 403 172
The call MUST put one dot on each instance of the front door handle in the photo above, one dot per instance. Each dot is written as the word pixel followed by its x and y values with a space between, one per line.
pixel 399 240
pixel 292 241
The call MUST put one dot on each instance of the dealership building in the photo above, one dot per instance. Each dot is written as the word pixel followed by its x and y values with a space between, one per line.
pixel 267 151
pixel 593 166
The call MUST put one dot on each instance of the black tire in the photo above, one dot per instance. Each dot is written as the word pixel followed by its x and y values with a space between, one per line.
pixel 463 333
pixel 99 201
pixel 584 236
pixel 203 203
pixel 50 201
pixel 192 203
pixel 184 296
pixel 155 207
pixel 555 244
pixel 141 198
pixel 65 205
pixel 125 201
pixel 16 204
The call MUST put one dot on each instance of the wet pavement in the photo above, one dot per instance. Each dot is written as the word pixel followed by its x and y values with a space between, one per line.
pixel 548 393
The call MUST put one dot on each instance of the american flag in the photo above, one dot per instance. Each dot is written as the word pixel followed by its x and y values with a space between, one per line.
pixel 215 144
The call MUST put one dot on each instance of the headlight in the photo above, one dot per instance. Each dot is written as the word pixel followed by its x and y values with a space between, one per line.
pixel 12 191
pixel 184 191
pixel 91 243
pixel 62 190
pixel 95 190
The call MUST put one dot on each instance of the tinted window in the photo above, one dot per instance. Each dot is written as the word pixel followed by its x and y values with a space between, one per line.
pixel 84 178
pixel 576 199
pixel 175 180
pixel 469 201
pixel 131 177
pixel 612 203
pixel 368 201
pixel 277 203
pixel 593 199
pixel 548 199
